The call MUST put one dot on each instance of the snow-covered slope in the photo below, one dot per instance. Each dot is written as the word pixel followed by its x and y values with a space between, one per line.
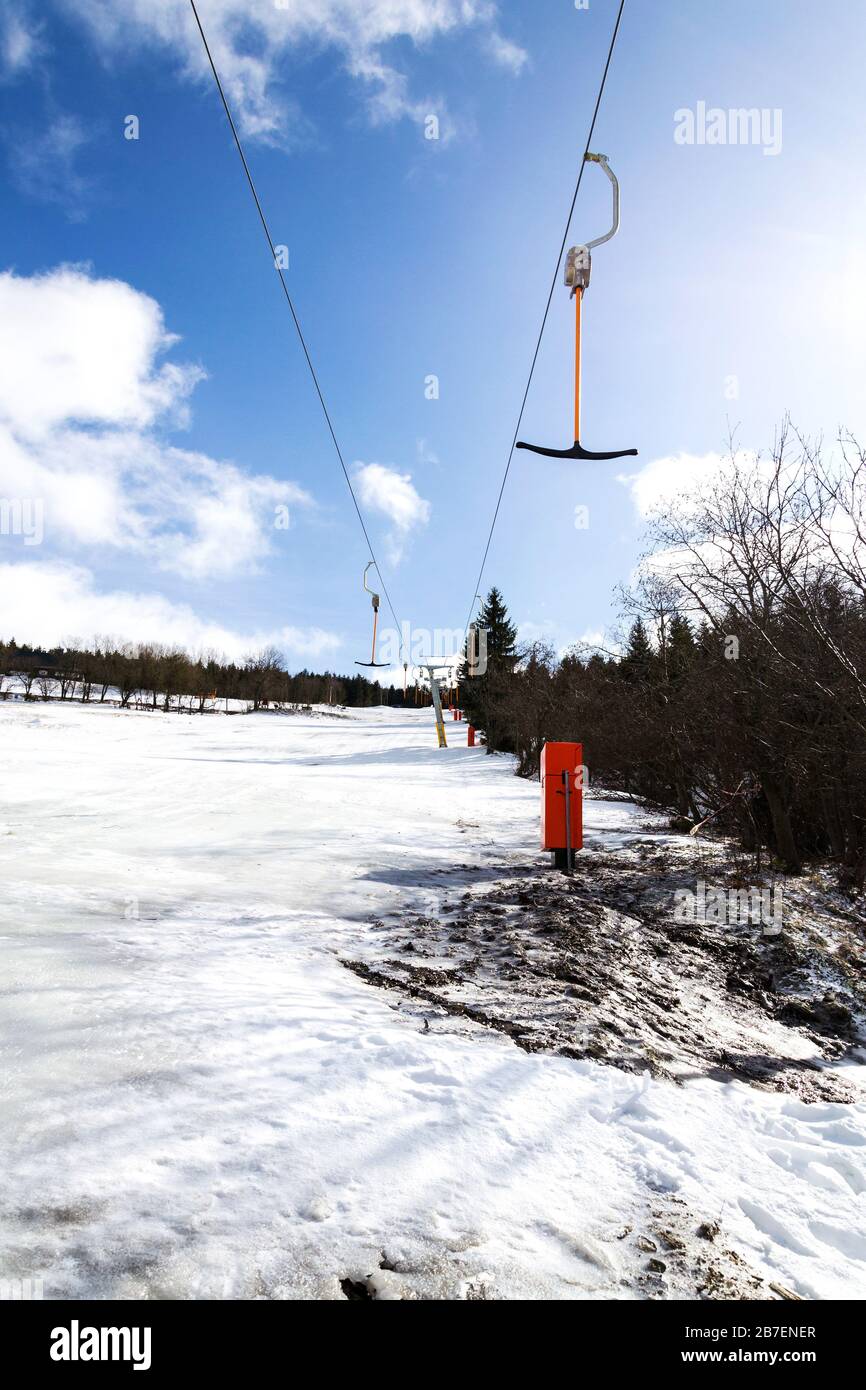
pixel 199 1100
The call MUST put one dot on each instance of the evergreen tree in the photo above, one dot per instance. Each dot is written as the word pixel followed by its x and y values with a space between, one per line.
pixel 483 695
pixel 637 663
pixel 501 632
pixel 681 646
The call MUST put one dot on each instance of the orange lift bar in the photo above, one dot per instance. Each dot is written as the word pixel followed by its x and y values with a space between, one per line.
pixel 578 265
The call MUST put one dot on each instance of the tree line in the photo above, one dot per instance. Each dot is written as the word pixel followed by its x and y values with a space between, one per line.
pixel 737 695
pixel 168 678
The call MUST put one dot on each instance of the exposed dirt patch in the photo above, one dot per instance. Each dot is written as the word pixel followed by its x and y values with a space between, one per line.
pixel 604 965
pixel 664 1253
pixel 599 966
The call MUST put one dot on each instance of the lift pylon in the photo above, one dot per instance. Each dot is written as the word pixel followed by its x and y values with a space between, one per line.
pixel 431 668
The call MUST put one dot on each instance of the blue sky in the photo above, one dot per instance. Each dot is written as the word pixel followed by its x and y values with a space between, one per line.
pixel 736 290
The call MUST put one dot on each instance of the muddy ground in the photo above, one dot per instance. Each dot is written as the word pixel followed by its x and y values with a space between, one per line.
pixel 599 965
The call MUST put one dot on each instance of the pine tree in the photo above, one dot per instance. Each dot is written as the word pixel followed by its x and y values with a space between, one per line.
pixel 501 632
pixel 482 695
pixel 637 663
pixel 681 646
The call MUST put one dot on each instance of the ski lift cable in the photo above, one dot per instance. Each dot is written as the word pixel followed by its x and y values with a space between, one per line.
pixel 295 319
pixel 553 285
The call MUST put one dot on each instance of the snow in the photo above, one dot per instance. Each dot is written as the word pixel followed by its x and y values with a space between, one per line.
pixel 200 1100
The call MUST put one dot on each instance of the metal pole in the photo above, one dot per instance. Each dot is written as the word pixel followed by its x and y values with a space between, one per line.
pixel 569 853
pixel 578 299
pixel 440 723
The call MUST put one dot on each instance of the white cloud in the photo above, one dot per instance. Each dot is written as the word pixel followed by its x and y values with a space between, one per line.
pixel 684 483
pixel 549 633
pixel 44 166
pixel 81 388
pixel 392 495
pixel 75 348
pixel 664 480
pixel 425 455
pixel 250 40
pixel 47 603
pixel 659 486
pixel 507 54
pixel 389 98
pixel 184 512
pixel 19 43
pixel 530 631
pixel 595 639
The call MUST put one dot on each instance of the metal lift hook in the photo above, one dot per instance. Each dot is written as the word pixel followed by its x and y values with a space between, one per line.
pixel 600 240
pixel 578 266
pixel 375 598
